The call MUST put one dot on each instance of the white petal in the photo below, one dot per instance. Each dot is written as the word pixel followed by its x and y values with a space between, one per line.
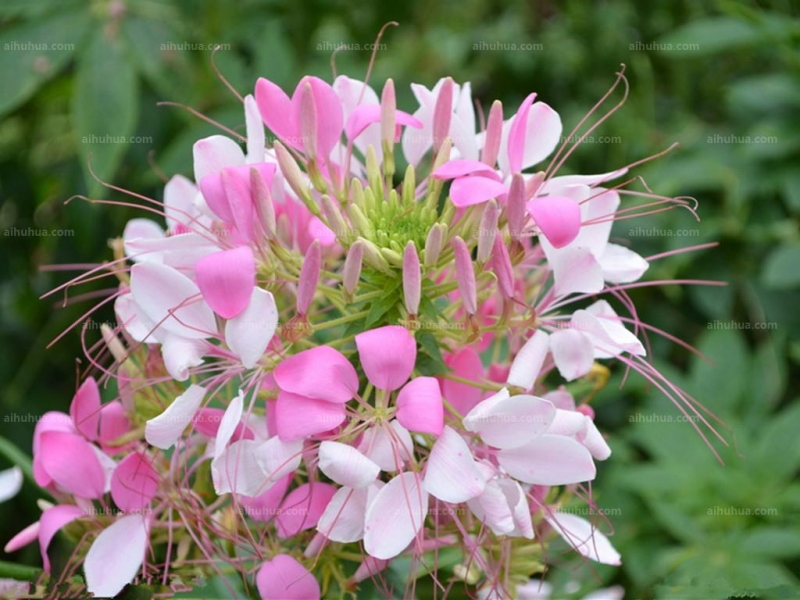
pixel 594 441
pixel 529 360
pixel 343 519
pixel 621 265
pixel 395 516
pixel 452 475
pixel 181 354
pixel 165 429
pixel 573 353
pixel 385 446
pixel 10 483
pixel 520 510
pixel 615 328
pixel 116 556
pixel 237 469
pixel 583 537
pixel 568 422
pixel 513 421
pixel 278 458
pixel 248 334
pixel 137 229
pixel 172 301
pixel 214 153
pixel 346 466
pixel 227 425
pixel 575 270
pixel 179 195
pixel 255 131
pixel 492 508
pixel 133 320
pixel 549 460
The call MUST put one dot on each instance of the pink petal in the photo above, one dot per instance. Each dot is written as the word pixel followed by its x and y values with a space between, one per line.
pixel 85 409
pixel 454 169
pixel 466 191
pixel 116 556
pixel 276 110
pixel 264 507
pixel 113 424
pixel 27 536
pixel 226 280
pixel 50 421
pixel 249 333
pixel 388 355
pixel 510 422
pixel 388 445
pixel 302 508
pixel 573 353
pixel 558 218
pixel 549 460
pixel 343 519
pixel 51 521
pixel 517 135
pixel 360 118
pixel 212 154
pixel 165 429
pixel 529 361
pixel 584 537
pixel 451 474
pixel 298 417
pixel 330 117
pixel 320 373
pixel 395 516
pixel 420 407
pixel 134 483
pixel 466 364
pixel 346 466
pixel 172 301
pixel 71 462
pixel 283 578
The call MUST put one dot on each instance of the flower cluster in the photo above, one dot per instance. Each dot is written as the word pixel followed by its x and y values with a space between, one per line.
pixel 324 362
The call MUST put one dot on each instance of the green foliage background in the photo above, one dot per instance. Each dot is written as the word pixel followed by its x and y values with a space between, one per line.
pixel 722 78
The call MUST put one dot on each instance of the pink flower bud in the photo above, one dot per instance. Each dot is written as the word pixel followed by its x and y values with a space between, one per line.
pixel 442 114
pixel 494 134
pixel 309 278
pixel 263 202
pixel 501 265
pixel 488 230
pixel 388 114
pixel 352 267
pixel 433 244
pixel 308 120
pixel 333 214
pixel 465 275
pixel 516 206
pixel 412 279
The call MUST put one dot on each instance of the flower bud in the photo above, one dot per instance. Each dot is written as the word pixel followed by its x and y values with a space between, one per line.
pixel 434 244
pixel 494 134
pixel 516 206
pixel 465 275
pixel 412 279
pixel 487 230
pixel 352 267
pixel 263 202
pixel 442 114
pixel 309 277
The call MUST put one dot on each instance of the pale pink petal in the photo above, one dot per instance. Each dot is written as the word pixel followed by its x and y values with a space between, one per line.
pixel 346 466
pixel 214 153
pixel 573 353
pixel 549 460
pixel 298 417
pixel 278 458
pixel 85 409
pixel 517 135
pixel 420 407
pixel 555 185
pixel 179 195
pixel 264 507
pixel 451 474
pixel 520 510
pixel 133 320
pixel 465 364
pixel 302 508
pixel 10 483
pixel 561 398
pixel 388 355
pixel 575 270
pixel 165 429
pixel 320 373
pixel 529 361
pixel 511 422
pixel 621 265
pixel 360 118
pixel 395 516
pixel 388 446
pixel 51 521
pixel 226 280
pixel 568 422
pixel 137 229
pixel 207 422
pixel 454 169
pixel 584 537
pixel 557 217
pixel 237 470
pixel 276 110
pixel 343 519
pixel 492 508
pixel 27 536
pixel 283 578
pixel 181 354
pixel 172 301
pixel 116 556
pixel 475 189
pixel 255 131
pixel 71 462
pixel 615 328
pixel 249 333
pixel 328 107
pixel 594 441
pixel 231 419
pixel 134 483
pixel 543 134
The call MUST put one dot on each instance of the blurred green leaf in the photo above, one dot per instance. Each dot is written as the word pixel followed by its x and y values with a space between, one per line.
pixel 782 268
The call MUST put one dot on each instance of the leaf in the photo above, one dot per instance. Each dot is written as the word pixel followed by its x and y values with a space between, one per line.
pixel 430 361
pixel 777 454
pixel 722 385
pixel 105 105
pixel 16 457
pixel 771 542
pixel 33 52
pixel 781 268
pixel 19 572
pixel 33 8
